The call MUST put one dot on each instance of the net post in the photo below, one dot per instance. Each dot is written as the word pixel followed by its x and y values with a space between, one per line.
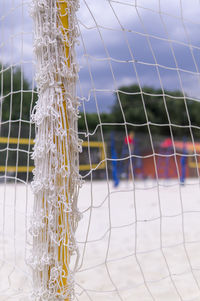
pixel 56 174
pixel 63 252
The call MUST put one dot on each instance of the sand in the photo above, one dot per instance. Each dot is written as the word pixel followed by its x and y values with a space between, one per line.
pixel 140 241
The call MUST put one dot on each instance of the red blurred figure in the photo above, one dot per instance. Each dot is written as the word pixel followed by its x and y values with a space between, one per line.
pixel 129 142
pixel 167 143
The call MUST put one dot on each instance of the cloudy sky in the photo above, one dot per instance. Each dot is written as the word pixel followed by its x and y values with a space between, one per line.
pixel 148 42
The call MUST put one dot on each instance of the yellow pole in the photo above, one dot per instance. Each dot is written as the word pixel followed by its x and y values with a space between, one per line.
pixel 63 252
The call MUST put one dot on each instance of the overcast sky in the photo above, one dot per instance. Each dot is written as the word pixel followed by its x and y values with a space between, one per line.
pixel 163 33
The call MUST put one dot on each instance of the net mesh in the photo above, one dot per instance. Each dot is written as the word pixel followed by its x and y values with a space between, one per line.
pixel 56 177
pixel 131 68
pixel 17 97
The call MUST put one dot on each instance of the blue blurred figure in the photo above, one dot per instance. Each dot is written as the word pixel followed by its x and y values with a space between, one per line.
pixel 183 162
pixel 114 161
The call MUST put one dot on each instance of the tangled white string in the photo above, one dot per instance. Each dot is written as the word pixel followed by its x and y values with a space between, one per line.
pixel 139 72
pixel 56 173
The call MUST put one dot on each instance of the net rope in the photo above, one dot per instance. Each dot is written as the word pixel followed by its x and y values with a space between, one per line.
pixel 72 235
pixel 56 175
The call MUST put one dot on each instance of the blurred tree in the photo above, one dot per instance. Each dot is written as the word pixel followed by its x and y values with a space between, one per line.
pixel 148 106
pixel 17 98
pixel 151 106
pixel 16 103
pixel 91 121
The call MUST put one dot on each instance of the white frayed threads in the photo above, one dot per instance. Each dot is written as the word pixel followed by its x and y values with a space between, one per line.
pixel 56 175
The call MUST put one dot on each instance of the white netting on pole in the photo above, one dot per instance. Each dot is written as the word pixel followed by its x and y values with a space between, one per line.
pixel 56 173
pixel 118 81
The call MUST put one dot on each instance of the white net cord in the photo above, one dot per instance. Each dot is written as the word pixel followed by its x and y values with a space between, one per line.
pixel 56 175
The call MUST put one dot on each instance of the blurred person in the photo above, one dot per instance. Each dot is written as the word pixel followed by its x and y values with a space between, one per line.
pixel 129 149
pixel 167 143
pixel 114 161
pixel 183 163
pixel 129 140
pixel 164 161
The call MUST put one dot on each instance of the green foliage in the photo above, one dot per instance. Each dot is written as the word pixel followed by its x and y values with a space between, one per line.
pixel 16 103
pixel 91 121
pixel 139 108
pixel 17 99
pixel 149 106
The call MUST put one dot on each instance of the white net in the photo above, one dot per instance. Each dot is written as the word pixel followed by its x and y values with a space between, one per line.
pixel 17 97
pixel 130 70
pixel 56 173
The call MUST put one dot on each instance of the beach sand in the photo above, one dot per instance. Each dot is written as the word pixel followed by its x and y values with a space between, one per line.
pixel 138 242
